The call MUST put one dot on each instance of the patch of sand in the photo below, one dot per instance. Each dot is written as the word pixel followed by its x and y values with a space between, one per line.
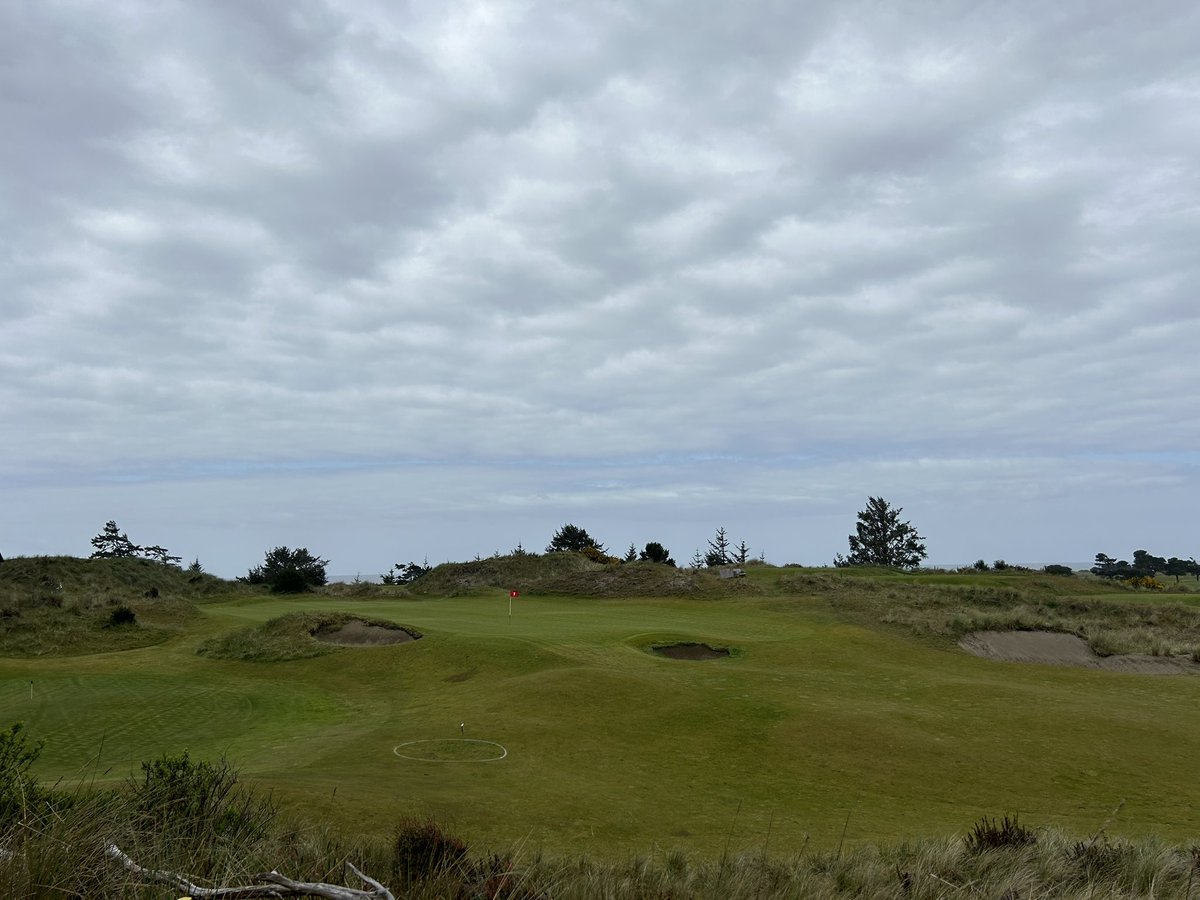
pixel 691 651
pixel 1055 649
pixel 357 633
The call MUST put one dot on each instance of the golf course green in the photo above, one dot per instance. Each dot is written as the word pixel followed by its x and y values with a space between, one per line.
pixel 561 728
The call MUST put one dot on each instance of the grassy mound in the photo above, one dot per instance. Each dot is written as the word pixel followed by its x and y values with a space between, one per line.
pixel 63 606
pixel 288 637
pixel 569 573
pixel 1113 620
pixel 68 578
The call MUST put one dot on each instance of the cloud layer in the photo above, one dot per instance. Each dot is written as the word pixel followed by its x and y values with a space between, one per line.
pixel 506 265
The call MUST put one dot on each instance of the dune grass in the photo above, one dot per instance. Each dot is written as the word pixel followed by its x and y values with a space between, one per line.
pixel 949 606
pixel 823 729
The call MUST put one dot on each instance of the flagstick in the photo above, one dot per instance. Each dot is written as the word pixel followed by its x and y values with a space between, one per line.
pixel 509 615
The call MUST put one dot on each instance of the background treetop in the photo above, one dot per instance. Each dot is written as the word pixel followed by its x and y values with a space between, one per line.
pixel 572 538
pixel 112 543
pixel 289 571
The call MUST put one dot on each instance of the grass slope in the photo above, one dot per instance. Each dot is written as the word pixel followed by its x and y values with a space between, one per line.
pixel 61 606
pixel 820 722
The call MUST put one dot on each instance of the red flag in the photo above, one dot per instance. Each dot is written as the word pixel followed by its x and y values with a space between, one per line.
pixel 514 593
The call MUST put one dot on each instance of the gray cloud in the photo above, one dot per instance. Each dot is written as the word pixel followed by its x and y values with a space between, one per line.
pixel 527 248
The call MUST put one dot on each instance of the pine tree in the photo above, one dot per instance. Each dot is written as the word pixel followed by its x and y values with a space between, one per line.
pixel 718 550
pixel 881 539
pixel 111 543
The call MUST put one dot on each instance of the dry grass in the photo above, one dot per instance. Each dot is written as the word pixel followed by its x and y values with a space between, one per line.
pixel 62 857
pixel 1160 627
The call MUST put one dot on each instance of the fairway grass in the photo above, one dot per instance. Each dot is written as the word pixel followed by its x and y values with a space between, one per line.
pixel 814 726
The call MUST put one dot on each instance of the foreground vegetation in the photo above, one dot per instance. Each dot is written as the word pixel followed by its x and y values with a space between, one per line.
pixel 845 726
pixel 193 825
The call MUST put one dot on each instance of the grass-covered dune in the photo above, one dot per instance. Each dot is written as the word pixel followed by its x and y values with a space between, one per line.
pixel 58 605
pixel 845 713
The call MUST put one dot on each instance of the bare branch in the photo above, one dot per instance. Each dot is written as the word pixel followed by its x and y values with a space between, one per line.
pixel 277 885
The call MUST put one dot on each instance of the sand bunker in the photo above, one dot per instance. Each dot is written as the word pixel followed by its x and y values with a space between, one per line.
pixel 357 633
pixel 1055 649
pixel 690 651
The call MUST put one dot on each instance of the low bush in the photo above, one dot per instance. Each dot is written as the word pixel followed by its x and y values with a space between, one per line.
pixel 1145 583
pixel 22 798
pixel 122 615
pixel 988 834
pixel 423 849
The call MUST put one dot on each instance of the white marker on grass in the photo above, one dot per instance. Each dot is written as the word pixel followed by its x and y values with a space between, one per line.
pixel 462 728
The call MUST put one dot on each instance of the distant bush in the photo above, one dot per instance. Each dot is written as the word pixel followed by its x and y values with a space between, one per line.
pixel 981 565
pixel 1058 570
pixel 656 552
pixel 1146 583
pixel 401 574
pixel 289 581
pixel 595 554
pixel 288 571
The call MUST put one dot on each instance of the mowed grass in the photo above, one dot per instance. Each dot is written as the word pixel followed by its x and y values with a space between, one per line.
pixel 814 727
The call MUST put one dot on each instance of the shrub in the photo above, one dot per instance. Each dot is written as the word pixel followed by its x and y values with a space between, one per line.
pixel 179 797
pixel 21 797
pixel 282 563
pixel 1057 570
pixel 988 834
pixel 423 849
pixel 595 554
pixel 289 581
pixel 1145 582
pixel 999 565
pixel 122 615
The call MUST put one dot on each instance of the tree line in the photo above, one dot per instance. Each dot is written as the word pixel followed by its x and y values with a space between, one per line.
pixel 1145 565
pixel 880 538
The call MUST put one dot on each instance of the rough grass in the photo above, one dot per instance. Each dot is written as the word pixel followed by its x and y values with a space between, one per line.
pixel 568 574
pixel 60 606
pixel 234 834
pixel 959 605
pixel 73 579
pixel 287 637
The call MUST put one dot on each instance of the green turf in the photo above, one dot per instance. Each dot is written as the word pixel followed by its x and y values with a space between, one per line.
pixel 816 721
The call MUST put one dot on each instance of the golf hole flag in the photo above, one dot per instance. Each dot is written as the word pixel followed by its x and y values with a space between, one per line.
pixel 514 593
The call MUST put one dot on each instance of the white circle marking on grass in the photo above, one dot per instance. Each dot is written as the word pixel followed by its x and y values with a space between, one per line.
pixel 503 750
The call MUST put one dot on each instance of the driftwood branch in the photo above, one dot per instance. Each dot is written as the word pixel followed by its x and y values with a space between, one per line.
pixel 275 885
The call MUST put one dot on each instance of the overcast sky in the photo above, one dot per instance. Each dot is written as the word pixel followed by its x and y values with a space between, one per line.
pixel 417 280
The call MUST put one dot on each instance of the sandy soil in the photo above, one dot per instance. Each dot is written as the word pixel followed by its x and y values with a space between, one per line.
pixel 691 651
pixel 1052 648
pixel 357 633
